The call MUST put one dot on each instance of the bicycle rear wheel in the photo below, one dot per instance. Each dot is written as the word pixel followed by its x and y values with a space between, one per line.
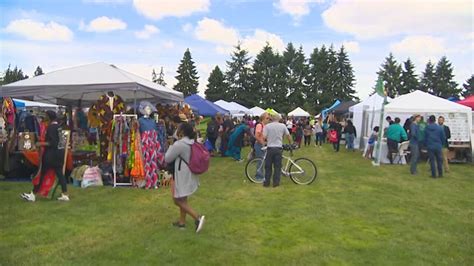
pixel 254 166
pixel 303 171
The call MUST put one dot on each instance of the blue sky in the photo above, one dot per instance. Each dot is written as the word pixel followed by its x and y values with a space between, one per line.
pixel 139 35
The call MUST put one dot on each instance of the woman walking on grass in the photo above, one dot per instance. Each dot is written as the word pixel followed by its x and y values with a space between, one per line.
pixel 185 182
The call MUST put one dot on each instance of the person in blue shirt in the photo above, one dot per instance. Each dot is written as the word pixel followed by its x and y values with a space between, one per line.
pixel 434 139
pixel 414 141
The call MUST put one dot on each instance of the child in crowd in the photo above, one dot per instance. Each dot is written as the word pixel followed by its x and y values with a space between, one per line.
pixel 371 143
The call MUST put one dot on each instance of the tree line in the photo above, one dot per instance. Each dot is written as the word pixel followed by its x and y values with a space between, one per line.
pixel 436 79
pixel 280 81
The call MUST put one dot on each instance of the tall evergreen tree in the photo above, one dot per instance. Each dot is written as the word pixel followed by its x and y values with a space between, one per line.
pixel 444 85
pixel 12 75
pixel 294 73
pixel 409 79
pixel 427 79
pixel 154 77
pixel 38 71
pixel 344 77
pixel 390 72
pixel 316 79
pixel 187 77
pixel 161 78
pixel 266 80
pixel 468 87
pixel 216 85
pixel 237 78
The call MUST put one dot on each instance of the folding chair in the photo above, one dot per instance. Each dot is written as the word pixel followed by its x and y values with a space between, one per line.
pixel 402 151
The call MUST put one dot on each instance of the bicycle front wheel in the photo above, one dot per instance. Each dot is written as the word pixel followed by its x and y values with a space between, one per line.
pixel 303 171
pixel 254 170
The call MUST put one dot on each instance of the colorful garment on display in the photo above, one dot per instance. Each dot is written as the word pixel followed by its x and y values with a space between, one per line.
pixel 9 112
pixel 106 108
pixel 152 157
pixel 162 139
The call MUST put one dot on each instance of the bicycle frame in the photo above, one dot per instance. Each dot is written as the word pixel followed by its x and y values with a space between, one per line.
pixel 285 170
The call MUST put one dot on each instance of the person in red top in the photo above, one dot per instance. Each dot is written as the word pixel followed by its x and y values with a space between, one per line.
pixel 260 142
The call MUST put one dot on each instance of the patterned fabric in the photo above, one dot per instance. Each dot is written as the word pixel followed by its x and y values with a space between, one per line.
pixel 105 113
pixel 152 156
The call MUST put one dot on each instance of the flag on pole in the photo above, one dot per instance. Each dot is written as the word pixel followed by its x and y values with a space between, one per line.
pixel 379 88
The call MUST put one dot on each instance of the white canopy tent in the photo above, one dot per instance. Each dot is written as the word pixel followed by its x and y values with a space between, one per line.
pixel 364 115
pixel 257 111
pixel 458 117
pixel 87 83
pixel 298 112
pixel 235 109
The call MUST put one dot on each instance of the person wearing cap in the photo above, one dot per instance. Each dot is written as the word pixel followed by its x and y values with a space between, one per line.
pixel 52 158
pixel 273 133
pixel 414 141
pixel 434 139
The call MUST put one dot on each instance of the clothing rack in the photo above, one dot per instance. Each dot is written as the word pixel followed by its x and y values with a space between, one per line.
pixel 115 154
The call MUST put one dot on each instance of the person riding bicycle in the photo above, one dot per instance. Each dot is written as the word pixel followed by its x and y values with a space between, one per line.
pixel 273 132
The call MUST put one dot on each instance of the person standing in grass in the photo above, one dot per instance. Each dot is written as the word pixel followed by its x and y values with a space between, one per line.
pixel 434 139
pixel 371 143
pixel 52 158
pixel 335 126
pixel 273 133
pixel 185 182
pixel 414 141
pixel 318 132
pixel 447 134
pixel 308 131
pixel 260 142
pixel 395 135
pixel 351 134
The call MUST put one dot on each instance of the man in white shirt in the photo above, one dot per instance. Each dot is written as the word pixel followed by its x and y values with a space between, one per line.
pixel 273 133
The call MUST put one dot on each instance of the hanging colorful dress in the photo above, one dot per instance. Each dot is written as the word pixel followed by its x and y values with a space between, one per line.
pixel 151 147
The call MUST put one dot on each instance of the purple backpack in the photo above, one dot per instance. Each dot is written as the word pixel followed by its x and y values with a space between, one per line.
pixel 200 156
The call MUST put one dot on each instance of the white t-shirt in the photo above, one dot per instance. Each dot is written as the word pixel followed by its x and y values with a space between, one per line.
pixel 274 133
pixel 289 124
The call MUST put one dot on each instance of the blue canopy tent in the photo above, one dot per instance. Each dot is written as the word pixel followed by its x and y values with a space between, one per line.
pixel 325 111
pixel 203 106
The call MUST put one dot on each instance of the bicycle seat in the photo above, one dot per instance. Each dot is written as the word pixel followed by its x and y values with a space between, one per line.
pixel 264 148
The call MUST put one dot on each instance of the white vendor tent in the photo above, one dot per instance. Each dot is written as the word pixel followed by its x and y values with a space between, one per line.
pixel 88 82
pixel 457 117
pixel 363 116
pixel 257 111
pixel 298 112
pixel 235 109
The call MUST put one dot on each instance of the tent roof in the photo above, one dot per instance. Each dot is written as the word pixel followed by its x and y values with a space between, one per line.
pixel 374 101
pixel 298 112
pixel 203 106
pixel 26 103
pixel 233 107
pixel 257 111
pixel 344 107
pixel 422 102
pixel 469 101
pixel 88 82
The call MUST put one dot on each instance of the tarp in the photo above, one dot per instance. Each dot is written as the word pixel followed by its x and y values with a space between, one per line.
pixel 19 103
pixel 257 111
pixel 203 106
pixel 343 108
pixel 325 111
pixel 371 104
pixel 298 112
pixel 469 101
pixel 88 82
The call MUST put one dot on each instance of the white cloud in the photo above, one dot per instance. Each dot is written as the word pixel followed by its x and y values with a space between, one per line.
pixel 168 45
pixel 372 19
pixel 34 30
pixel 106 1
pixel 187 27
pixel 214 31
pixel 157 9
pixel 225 50
pixel 295 8
pixel 147 32
pixel 421 48
pixel 254 43
pixel 351 46
pixel 103 24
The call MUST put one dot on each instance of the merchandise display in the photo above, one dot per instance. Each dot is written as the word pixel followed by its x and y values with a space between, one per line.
pixel 107 106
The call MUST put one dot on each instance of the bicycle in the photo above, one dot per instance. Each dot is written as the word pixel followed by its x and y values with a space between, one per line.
pixel 302 171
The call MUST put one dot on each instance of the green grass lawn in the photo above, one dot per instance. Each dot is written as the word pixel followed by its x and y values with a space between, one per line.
pixel 353 214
